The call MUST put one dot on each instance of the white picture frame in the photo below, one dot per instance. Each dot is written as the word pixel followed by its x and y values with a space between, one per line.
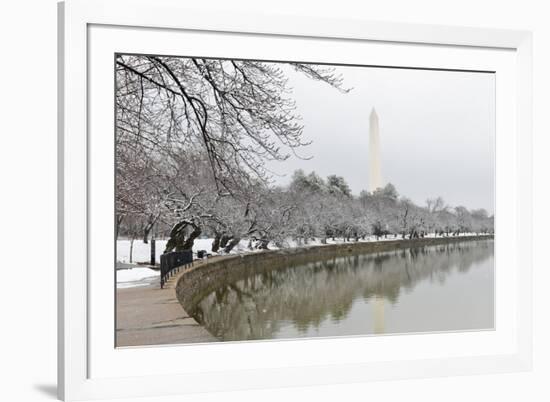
pixel 89 365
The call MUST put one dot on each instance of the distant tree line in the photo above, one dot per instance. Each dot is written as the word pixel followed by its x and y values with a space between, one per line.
pixel 309 208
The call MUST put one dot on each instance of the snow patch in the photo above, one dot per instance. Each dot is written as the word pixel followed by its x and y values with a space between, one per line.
pixel 139 276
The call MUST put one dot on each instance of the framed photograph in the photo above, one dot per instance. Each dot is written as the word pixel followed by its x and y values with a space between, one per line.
pixel 255 201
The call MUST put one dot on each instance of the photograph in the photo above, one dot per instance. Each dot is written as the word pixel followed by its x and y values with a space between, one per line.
pixel 274 199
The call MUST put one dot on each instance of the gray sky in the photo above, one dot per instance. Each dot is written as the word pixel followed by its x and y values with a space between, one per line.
pixel 436 132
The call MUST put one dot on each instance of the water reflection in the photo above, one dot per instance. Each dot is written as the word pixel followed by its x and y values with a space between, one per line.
pixel 431 288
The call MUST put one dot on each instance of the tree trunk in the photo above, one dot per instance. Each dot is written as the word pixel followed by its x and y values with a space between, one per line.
pixel 178 240
pixel 176 236
pixel 223 240
pixel 131 248
pixel 119 220
pixel 188 244
pixel 147 229
pixel 231 244
pixel 216 242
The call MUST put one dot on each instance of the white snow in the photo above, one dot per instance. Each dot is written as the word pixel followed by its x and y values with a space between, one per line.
pixel 141 252
pixel 138 276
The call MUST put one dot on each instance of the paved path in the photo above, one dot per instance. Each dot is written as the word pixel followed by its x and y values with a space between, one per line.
pixel 149 315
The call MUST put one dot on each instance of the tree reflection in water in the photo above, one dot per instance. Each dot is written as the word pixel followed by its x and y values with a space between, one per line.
pixel 306 296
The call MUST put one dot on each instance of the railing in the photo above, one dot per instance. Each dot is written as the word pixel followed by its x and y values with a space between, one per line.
pixel 171 264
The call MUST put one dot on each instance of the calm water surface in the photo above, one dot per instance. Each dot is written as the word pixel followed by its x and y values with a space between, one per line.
pixel 431 288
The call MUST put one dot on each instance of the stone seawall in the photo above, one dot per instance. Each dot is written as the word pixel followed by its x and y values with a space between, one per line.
pixel 197 282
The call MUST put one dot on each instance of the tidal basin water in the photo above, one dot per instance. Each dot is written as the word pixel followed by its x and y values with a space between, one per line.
pixel 432 288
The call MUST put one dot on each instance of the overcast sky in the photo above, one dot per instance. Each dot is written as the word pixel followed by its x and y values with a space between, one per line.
pixel 436 132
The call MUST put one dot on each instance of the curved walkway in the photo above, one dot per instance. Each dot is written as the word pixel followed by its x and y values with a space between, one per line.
pixel 149 315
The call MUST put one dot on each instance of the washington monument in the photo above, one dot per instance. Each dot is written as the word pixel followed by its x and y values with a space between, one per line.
pixel 375 182
pixel 375 170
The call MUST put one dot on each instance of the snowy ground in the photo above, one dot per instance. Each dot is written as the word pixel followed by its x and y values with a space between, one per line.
pixel 131 274
pixel 141 252
pixel 136 276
